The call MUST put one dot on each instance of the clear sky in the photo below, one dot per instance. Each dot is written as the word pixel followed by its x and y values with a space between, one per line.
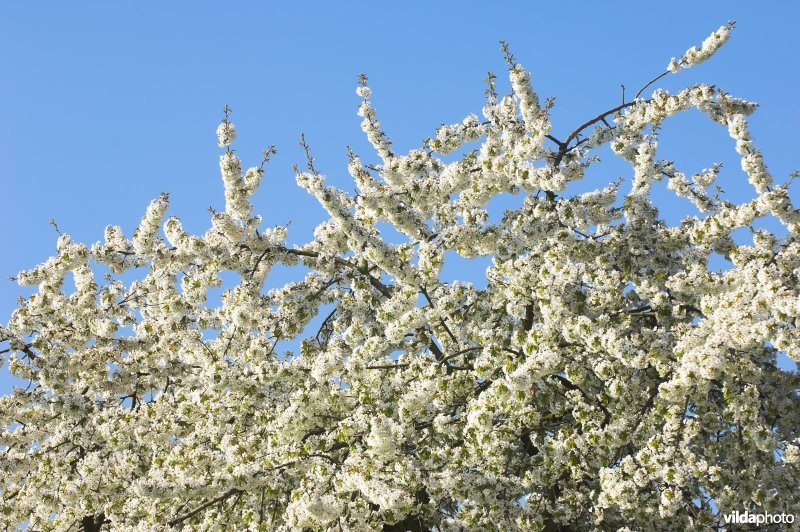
pixel 103 105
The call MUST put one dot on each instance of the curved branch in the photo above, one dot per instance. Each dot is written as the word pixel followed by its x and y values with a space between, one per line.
pixel 574 135
pixel 382 288
pixel 564 146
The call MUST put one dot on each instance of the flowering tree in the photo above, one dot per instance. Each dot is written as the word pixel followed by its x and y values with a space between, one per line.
pixel 604 378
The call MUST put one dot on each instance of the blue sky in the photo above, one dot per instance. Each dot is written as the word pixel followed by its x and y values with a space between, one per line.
pixel 106 104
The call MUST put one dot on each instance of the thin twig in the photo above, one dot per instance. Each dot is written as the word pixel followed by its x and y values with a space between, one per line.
pixel 650 83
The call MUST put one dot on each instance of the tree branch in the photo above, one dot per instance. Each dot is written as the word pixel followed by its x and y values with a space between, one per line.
pixel 574 135
pixel 203 506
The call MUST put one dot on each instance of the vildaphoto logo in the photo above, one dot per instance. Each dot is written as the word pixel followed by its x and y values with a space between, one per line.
pixel 741 518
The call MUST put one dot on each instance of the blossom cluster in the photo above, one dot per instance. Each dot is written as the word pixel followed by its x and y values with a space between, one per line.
pixel 708 48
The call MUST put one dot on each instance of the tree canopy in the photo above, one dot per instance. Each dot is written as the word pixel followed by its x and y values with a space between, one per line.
pixel 606 377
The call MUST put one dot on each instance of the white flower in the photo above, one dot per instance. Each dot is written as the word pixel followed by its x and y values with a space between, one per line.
pixel 226 133
pixel 364 92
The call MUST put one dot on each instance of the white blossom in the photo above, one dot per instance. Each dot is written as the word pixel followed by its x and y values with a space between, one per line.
pixel 226 133
pixel 606 376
